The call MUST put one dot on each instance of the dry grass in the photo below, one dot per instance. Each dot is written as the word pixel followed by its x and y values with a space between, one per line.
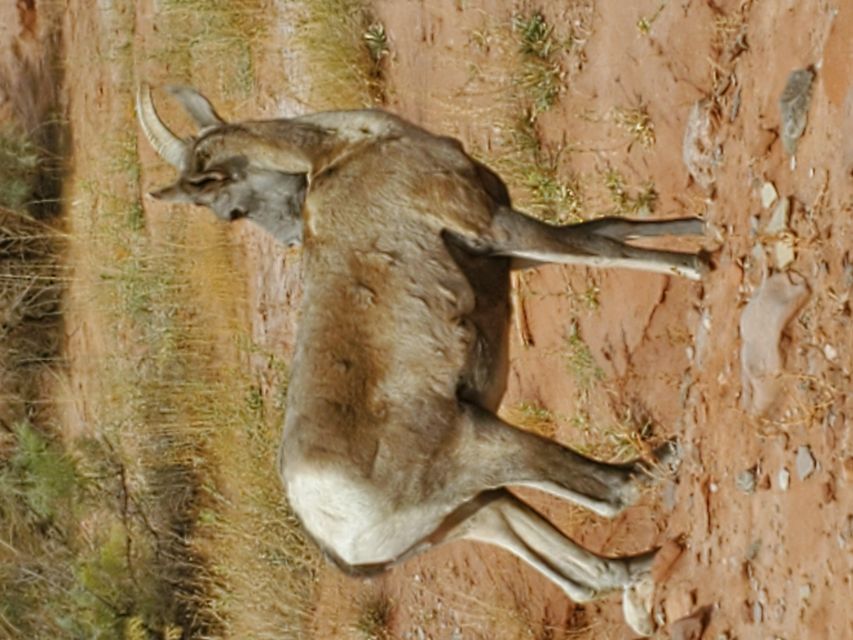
pixel 344 46
pixel 164 517
pixel 533 417
pixel 228 33
pixel 375 611
pixel 636 122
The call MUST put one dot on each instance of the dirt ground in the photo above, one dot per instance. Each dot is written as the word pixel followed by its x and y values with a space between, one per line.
pixel 762 505
pixel 768 561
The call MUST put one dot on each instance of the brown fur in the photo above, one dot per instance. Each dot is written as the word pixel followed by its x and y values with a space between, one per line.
pixel 390 443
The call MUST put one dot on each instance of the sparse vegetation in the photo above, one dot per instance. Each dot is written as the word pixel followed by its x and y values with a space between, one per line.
pixel 539 76
pixel 19 168
pixel 534 417
pixel 579 359
pixel 374 617
pixel 626 201
pixel 637 123
pixel 644 24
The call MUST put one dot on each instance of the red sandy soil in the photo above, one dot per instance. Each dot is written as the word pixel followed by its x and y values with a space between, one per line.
pixel 774 562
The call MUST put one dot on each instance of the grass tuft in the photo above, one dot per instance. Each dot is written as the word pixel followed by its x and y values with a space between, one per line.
pixel 345 45
pixel 637 123
pixel 374 618
pixel 579 360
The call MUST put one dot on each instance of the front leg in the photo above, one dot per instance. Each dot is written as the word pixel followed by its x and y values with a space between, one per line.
pixel 597 243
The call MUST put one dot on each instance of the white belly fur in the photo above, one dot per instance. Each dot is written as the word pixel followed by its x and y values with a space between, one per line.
pixel 353 519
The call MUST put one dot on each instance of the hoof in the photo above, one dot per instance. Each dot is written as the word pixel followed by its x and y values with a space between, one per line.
pixel 667 457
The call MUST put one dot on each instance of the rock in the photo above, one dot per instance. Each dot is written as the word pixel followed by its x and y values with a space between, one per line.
pixel 847 469
pixel 701 151
pixel 784 479
pixel 765 316
pixel 757 613
pixel 665 560
pixel 783 253
pixel 686 629
pixel 779 218
pixel 692 626
pixel 783 246
pixel 745 481
pixel 805 462
pixel 794 107
pixel 679 603
pixel 768 195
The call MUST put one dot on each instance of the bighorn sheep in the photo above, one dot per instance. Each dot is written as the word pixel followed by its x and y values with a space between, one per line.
pixel 391 444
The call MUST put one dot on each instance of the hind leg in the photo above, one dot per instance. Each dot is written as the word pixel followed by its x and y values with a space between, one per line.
pixel 494 454
pixel 501 519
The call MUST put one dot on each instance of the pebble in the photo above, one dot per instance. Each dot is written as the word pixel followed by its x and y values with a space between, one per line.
pixel 847 468
pixel 768 195
pixel 757 613
pixel 745 481
pixel 665 561
pixel 784 479
pixel 689 628
pixel 794 107
pixel 805 462
pixel 779 218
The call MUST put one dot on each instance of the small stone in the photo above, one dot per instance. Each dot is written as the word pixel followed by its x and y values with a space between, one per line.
pixel 805 592
pixel 830 352
pixel 700 148
pixel 805 462
pixel 757 613
pixel 713 487
pixel 794 107
pixel 745 481
pixel 779 218
pixel 665 560
pixel 678 604
pixel 689 628
pixel 752 550
pixel 784 479
pixel 783 253
pixel 768 195
pixel 847 468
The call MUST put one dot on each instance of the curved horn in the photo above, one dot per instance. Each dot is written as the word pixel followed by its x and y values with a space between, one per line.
pixel 197 106
pixel 167 145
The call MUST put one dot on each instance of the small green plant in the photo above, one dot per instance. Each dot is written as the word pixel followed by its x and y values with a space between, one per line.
pixel 644 24
pixel 535 35
pixel 637 123
pixel 540 75
pixel 20 162
pixel 535 418
pixel 625 201
pixel 377 41
pixel 579 360
pixel 46 475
